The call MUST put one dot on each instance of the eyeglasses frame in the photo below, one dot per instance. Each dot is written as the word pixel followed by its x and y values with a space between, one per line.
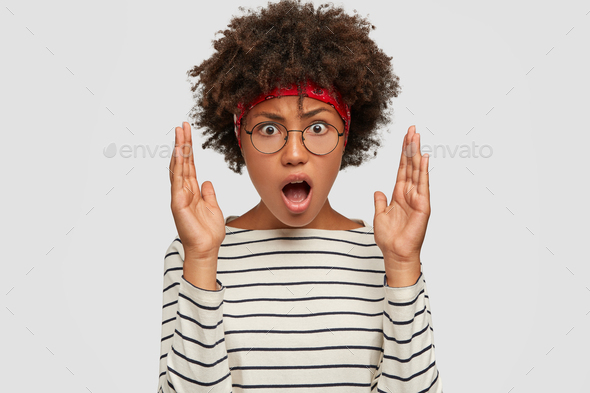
pixel 287 137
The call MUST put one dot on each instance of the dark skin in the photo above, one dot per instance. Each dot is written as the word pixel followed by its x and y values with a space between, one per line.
pixel 267 171
pixel 399 226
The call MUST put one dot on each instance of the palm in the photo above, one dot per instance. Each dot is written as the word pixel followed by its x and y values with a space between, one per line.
pixel 197 215
pixel 400 227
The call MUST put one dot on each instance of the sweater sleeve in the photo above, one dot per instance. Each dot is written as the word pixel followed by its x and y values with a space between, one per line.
pixel 193 355
pixel 408 361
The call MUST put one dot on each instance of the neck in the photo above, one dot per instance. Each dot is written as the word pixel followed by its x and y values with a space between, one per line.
pixel 260 217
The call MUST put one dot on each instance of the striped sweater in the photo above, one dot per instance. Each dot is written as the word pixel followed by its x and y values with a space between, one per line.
pixel 295 310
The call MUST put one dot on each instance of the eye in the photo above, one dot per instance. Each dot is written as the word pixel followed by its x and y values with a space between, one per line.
pixel 318 129
pixel 268 129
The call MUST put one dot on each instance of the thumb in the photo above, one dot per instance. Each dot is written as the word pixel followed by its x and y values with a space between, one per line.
pixel 208 193
pixel 380 202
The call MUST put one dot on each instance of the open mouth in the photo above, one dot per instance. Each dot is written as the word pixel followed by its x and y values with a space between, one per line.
pixel 296 192
pixel 297 196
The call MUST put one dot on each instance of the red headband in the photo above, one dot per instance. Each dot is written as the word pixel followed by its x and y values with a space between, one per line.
pixel 310 89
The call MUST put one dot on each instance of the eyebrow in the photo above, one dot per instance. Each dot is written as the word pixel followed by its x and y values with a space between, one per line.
pixel 276 116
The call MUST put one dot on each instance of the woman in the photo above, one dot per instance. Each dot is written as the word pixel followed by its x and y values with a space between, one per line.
pixel 239 312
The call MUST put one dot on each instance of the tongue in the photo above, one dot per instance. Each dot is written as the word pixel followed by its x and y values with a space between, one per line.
pixel 296 192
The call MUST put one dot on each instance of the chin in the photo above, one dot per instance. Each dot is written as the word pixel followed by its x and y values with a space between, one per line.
pixel 289 218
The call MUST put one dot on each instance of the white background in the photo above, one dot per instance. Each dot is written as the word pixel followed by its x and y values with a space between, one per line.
pixel 84 236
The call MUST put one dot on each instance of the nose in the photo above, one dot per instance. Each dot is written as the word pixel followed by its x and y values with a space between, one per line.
pixel 294 151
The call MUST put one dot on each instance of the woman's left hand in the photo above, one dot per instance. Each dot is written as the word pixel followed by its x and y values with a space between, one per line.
pixel 400 227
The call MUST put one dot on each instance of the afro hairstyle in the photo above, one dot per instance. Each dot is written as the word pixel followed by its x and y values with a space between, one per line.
pixel 285 43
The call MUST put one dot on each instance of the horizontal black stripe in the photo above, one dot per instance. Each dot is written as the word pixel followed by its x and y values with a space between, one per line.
pixel 410 358
pixel 385 336
pixel 166 338
pixel 411 376
pixel 309 367
pixel 171 253
pixel 194 341
pixel 273 331
pixel 431 385
pixel 407 303
pixel 264 284
pixel 317 314
pixel 298 386
pixel 421 391
pixel 172 268
pixel 375 385
pixel 299 252
pixel 251 230
pixel 380 272
pixel 168 320
pixel 199 323
pixel 338 347
pixel 195 381
pixel 208 365
pixel 303 299
pixel 405 322
pixel 171 386
pixel 169 304
pixel 298 238
pixel 212 308
pixel 361 232
pixel 171 285
pixel 237 231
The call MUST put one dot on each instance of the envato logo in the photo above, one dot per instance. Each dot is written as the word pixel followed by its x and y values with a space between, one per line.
pixel 166 151
pixel 129 151
pixel 464 151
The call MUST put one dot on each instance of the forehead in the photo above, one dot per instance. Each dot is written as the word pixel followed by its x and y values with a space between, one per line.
pixel 288 106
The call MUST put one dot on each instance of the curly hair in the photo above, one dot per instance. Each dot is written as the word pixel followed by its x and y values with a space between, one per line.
pixel 286 43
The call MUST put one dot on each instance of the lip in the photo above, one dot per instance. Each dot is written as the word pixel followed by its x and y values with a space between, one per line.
pixel 297 177
pixel 298 207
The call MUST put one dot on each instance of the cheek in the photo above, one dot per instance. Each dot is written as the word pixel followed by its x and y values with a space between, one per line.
pixel 261 174
pixel 332 174
pixel 326 175
pixel 336 167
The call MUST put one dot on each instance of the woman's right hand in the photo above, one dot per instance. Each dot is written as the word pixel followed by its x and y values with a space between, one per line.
pixel 198 219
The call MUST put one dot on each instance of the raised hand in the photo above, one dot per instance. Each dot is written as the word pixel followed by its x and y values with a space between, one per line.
pixel 198 219
pixel 400 226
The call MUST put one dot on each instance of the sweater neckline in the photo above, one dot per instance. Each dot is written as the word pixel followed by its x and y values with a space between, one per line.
pixel 365 229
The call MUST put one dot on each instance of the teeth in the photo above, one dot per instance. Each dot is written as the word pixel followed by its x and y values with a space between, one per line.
pixel 300 181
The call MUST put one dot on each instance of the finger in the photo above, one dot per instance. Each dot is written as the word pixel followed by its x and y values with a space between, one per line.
pixel 401 170
pixel 423 184
pixel 409 152
pixel 173 158
pixel 178 151
pixel 209 193
pixel 177 180
pixel 186 154
pixel 416 159
pixel 380 202
pixel 192 173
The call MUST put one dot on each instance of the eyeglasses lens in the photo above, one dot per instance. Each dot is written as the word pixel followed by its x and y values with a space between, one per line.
pixel 270 137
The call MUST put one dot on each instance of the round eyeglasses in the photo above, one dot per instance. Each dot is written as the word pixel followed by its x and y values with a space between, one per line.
pixel 319 138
